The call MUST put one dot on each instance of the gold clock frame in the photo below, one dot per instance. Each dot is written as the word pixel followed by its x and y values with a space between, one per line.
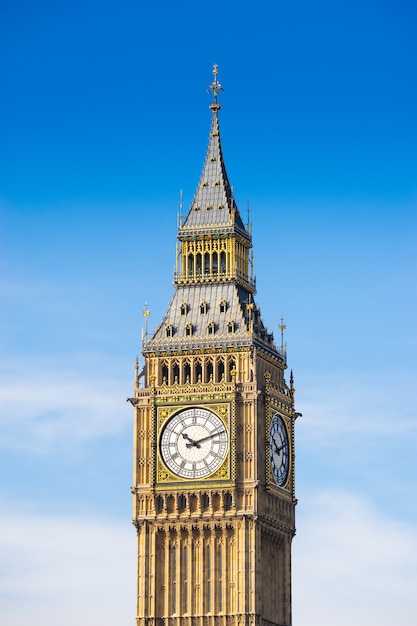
pixel 288 423
pixel 163 476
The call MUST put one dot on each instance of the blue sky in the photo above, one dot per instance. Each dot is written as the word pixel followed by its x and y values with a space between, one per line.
pixel 104 118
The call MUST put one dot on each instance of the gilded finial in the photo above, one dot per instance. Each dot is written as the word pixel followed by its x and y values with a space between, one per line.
pixel 180 216
pixel 215 87
pixel 282 327
pixel 146 313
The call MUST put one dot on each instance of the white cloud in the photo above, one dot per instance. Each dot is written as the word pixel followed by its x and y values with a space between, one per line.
pixel 66 570
pixel 51 406
pixel 352 565
pixel 349 405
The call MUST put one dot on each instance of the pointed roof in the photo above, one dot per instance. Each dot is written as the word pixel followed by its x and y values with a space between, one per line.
pixel 211 314
pixel 214 208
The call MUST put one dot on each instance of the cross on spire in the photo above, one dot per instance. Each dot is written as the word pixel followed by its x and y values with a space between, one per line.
pixel 215 87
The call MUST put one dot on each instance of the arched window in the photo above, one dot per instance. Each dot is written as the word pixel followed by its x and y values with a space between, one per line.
pixel 223 306
pixel 187 372
pixel 231 327
pixel 198 259
pixel 198 372
pixel 210 328
pixel 209 371
pixel 207 263
pixel 188 330
pixel 222 261
pixel 208 574
pixel 168 330
pixel 174 578
pixel 215 262
pixel 185 577
pixel 220 370
pixel 164 372
pixel 220 576
pixel 231 367
pixel 205 501
pixel 190 264
pixel 176 373
pixel 203 307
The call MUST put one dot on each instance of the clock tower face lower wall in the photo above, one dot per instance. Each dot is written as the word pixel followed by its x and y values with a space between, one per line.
pixel 236 571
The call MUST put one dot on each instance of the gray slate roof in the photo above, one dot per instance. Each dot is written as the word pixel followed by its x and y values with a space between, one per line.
pixel 213 210
pixel 213 207
pixel 235 299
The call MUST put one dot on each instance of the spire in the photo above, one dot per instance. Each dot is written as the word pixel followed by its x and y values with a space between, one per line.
pixel 213 206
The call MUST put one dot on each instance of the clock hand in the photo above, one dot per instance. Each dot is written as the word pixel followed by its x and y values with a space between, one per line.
pixel 192 442
pixel 279 449
pixel 209 436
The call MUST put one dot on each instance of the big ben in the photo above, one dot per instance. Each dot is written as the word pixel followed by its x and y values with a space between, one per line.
pixel 213 490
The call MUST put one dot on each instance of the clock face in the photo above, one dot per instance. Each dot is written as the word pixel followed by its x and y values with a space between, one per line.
pixel 194 443
pixel 279 450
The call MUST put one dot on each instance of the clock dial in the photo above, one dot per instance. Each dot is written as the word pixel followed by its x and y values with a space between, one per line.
pixel 194 443
pixel 279 450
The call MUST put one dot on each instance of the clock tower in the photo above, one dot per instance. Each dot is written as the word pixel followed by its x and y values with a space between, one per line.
pixel 213 491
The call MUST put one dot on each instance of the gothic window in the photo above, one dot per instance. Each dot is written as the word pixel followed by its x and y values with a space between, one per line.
pixel 187 372
pixel 209 371
pixel 231 367
pixel 205 501
pixel 170 504
pixel 223 261
pixel 189 330
pixel 208 566
pixel 190 264
pixel 215 261
pixel 176 373
pixel 185 578
pixel 203 307
pixel 210 328
pixel 223 306
pixel 220 573
pixel 198 259
pixel 227 502
pixel 220 370
pixel 183 308
pixel 198 372
pixel 231 327
pixel 206 263
pixel 174 579
pixel 164 371
pixel 168 330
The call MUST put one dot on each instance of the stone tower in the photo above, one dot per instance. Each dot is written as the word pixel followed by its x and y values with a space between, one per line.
pixel 213 492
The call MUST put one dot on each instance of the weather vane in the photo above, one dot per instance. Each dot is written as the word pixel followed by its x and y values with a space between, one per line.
pixel 215 86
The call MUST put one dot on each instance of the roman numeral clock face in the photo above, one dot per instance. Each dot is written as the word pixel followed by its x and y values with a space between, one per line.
pixel 279 450
pixel 194 443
